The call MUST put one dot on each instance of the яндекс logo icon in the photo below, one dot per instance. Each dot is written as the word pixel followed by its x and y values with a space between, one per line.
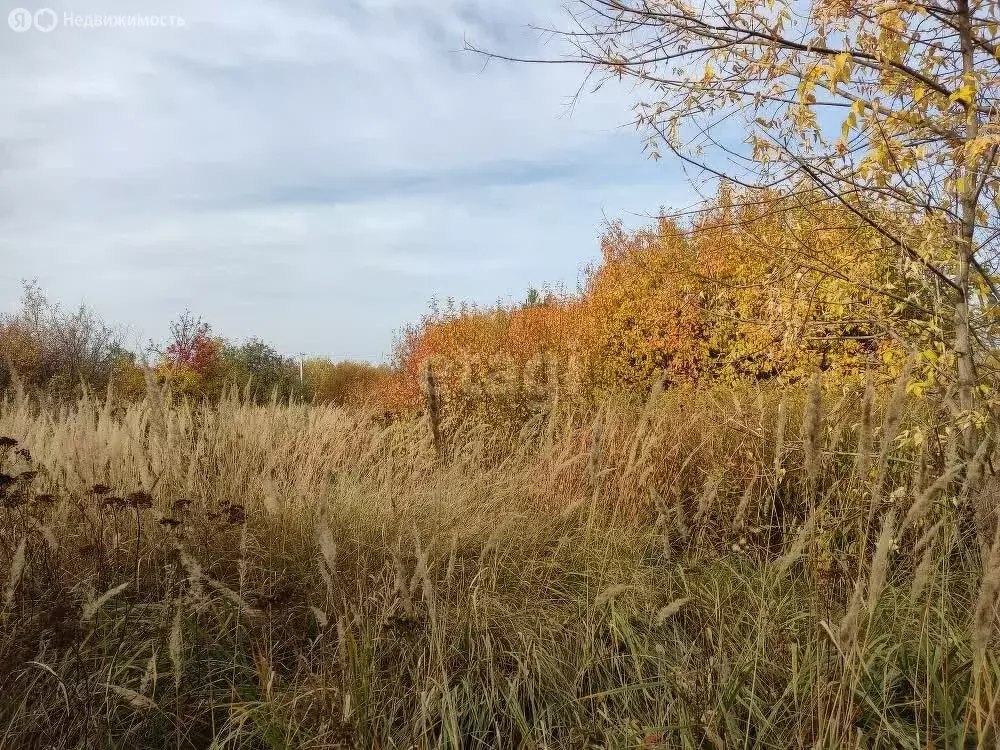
pixel 19 20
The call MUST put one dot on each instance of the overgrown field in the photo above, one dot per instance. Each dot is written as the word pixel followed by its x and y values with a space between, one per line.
pixel 725 568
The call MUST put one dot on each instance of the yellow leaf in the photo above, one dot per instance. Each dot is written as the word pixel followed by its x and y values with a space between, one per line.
pixel 966 94
pixel 849 122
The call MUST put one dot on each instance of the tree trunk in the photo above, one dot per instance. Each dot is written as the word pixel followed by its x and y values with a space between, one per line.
pixel 968 174
pixel 965 367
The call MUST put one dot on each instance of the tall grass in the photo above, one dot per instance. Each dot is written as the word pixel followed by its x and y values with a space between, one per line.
pixel 728 568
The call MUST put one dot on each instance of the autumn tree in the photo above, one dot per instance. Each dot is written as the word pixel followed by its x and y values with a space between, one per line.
pixel 59 349
pixel 191 361
pixel 887 107
pixel 260 370
pixel 757 286
pixel 642 314
pixel 191 344
pixel 787 287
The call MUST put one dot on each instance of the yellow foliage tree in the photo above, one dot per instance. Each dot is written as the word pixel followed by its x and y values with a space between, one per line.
pixel 886 108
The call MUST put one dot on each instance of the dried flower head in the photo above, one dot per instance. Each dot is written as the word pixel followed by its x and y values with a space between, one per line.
pixel 139 500
pixel 235 513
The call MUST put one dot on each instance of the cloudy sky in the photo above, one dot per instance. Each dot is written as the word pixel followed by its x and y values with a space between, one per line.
pixel 311 172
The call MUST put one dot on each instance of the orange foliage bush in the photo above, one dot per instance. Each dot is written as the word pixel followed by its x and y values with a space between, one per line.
pixel 755 287
pixel 491 359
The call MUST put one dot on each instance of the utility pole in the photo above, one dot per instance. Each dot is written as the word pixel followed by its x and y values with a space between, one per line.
pixel 302 379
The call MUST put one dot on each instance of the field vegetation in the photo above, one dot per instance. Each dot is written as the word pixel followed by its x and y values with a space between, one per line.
pixel 738 489
pixel 729 567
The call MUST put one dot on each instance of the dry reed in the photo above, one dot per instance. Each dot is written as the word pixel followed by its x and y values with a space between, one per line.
pixel 295 576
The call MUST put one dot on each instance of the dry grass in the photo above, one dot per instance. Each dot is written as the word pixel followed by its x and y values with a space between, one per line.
pixel 695 573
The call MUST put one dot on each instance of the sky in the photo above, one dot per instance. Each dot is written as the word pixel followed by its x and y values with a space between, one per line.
pixel 309 172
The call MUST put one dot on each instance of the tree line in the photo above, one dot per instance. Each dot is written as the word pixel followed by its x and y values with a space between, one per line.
pixel 59 352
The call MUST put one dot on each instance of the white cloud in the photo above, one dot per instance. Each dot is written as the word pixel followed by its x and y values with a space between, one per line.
pixel 310 172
